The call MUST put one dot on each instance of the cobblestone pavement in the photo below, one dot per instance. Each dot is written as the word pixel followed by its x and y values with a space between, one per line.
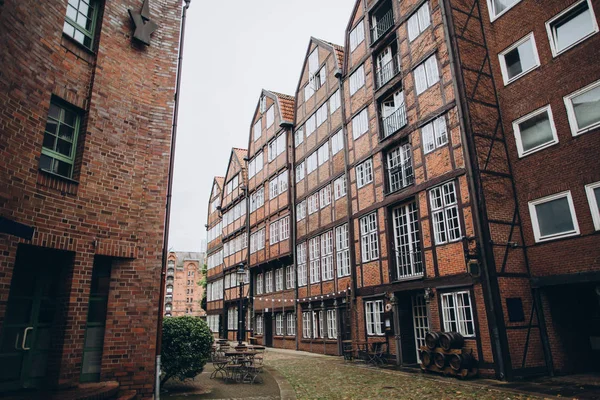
pixel 326 377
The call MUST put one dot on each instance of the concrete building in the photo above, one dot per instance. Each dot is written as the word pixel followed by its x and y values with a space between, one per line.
pixel 183 292
pixel 443 182
pixel 86 109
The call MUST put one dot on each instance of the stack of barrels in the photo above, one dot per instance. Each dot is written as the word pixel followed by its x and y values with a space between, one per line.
pixel 444 352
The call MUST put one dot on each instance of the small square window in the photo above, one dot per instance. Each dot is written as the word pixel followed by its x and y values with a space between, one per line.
pixel 535 131
pixel 519 59
pixel 553 217
pixel 593 194
pixel 583 109
pixel 571 27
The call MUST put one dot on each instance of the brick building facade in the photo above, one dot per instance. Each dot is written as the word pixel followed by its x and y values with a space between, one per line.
pixel 183 292
pixel 425 193
pixel 86 127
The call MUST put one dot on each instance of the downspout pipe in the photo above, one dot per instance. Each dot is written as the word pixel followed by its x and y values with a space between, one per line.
pixel 163 274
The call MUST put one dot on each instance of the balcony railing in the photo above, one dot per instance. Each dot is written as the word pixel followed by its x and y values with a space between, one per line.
pixel 387 71
pixel 394 121
pixel 382 25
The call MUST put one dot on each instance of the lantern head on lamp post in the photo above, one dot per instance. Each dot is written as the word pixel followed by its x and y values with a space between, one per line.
pixel 241 275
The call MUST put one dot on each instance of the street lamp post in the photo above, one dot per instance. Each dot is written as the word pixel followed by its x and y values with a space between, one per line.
pixel 241 275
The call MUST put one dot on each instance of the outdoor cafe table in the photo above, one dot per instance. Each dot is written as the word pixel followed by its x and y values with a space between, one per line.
pixel 244 358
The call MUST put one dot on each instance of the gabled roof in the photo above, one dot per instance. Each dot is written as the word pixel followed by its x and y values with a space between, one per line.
pixel 357 3
pixel 241 154
pixel 339 53
pixel 286 104
pixel 220 180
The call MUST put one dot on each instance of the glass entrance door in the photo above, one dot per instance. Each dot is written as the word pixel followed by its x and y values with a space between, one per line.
pixel 25 341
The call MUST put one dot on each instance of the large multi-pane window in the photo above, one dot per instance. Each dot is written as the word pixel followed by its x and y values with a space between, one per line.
pixel 434 134
pixel 314 260
pixel 339 187
pixel 290 278
pixel 313 203
pixel 357 79
pixel 279 279
pixel 60 139
pixel 259 284
pixel 327 255
pixel 232 318
pixel 444 210
pixel 257 199
pixel 418 22
pixel 426 74
pixel 291 324
pixel 373 314
pixel 255 165
pixel 368 237
pixel 357 35
pixel 342 245
pixel 301 260
pixel 360 124
pixel 278 185
pixel 331 324
pixel 457 313
pixel 306 329
pixel 399 167
pixel 259 325
pixel 279 324
pixel 269 282
pixel 276 147
pixel 364 173
pixel 257 241
pixel 274 232
pixel 407 244
pixel 80 21
pixel 325 196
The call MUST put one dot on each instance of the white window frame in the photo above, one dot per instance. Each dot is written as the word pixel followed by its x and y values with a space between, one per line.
pixel 364 173
pixel 325 196
pixel 299 136
pixel 342 247
pixel 421 20
pixel 323 154
pixel 290 324
pixel 428 72
pixel 517 131
pixel 331 324
pixel 327 256
pixel 310 125
pixel 301 264
pixel 551 38
pixel 465 326
pixel 274 232
pixel 314 259
pixel 279 279
pixel 445 210
pixel 502 59
pixel 373 316
pixel 269 282
pixel 306 325
pixel 369 237
pixel 334 102
pixel 360 124
pixel 300 171
pixel 311 163
pixel 337 142
pixel 589 191
pixel 357 79
pixel 270 116
pixel 493 15
pixel 357 35
pixel 257 130
pixel 290 277
pixel 313 203
pixel 322 114
pixel 301 210
pixel 259 324
pixel 575 130
pixel 339 187
pixel 535 222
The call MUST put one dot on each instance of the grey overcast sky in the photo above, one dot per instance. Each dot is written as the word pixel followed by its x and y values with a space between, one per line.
pixel 232 50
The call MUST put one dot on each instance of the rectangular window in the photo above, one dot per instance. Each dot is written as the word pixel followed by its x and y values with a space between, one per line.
pixel 325 196
pixel 323 153
pixel 535 131
pixel 60 139
pixel 364 173
pixel 290 278
pixel 282 179
pixel 399 168
pixel 301 261
pixel 259 325
pixel 334 102
pixel 434 134
pixel 309 89
pixel 444 209
pixel 357 79
pixel 314 260
pixel 301 210
pixel 418 22
pixel 519 59
pixel 322 114
pixel 310 125
pixel 257 199
pixel 291 325
pixel 373 314
pixel 279 279
pixel 270 116
pixel 583 109
pixel 368 237
pixel 274 232
pixel 571 27
pixel 499 7
pixel 360 124
pixel 279 324
pixel 80 21
pixel 553 217
pixel 257 130
pixel 273 190
pixel 300 171
pixel 313 203
pixel 337 143
pixel 313 62
pixel 339 187
pixel 357 35
pixel 342 245
pixel 257 241
pixel 593 194
pixel 426 74
pixel 331 324
pixel 269 281
pixel 299 137
pixel 256 165
pixel 406 242
pixel 327 255
pixel 457 313
pixel 311 163
pixel 306 331
pixel 284 226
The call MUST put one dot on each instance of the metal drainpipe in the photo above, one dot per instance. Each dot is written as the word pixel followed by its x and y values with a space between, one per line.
pixel 163 274
pixel 477 217
pixel 349 204
pixel 294 223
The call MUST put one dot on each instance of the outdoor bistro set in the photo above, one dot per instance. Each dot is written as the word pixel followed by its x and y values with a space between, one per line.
pixel 240 364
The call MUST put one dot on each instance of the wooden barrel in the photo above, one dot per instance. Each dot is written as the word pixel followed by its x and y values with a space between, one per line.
pixel 426 358
pixel 432 339
pixel 439 359
pixel 451 340
pixel 460 361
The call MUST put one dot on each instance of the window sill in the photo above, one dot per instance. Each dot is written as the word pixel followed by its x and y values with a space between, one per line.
pixel 58 182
